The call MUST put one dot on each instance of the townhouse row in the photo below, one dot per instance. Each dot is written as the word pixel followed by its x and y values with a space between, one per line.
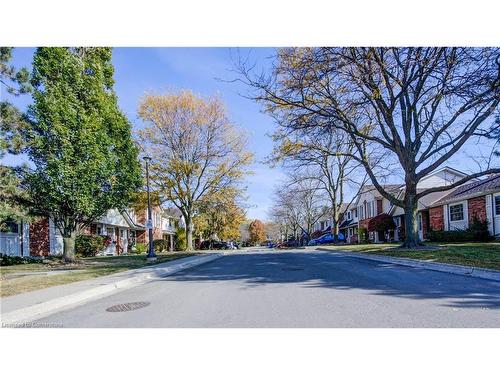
pixel 124 229
pixel 447 210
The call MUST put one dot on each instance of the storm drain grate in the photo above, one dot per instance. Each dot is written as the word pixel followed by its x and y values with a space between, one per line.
pixel 127 306
pixel 292 269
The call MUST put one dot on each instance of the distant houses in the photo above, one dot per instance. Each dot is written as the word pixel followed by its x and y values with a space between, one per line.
pixel 123 229
pixel 451 209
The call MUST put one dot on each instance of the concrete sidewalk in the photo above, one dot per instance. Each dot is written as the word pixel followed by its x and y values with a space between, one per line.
pixel 34 305
pixel 455 269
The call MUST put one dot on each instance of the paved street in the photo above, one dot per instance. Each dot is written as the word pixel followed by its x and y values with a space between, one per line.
pixel 299 288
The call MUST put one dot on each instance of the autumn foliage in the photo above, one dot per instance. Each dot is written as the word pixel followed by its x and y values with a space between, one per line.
pixel 257 232
pixel 381 222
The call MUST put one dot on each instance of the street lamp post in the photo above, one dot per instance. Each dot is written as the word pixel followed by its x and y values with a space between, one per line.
pixel 151 253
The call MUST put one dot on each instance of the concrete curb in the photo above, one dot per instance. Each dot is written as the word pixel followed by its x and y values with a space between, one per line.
pixel 477 272
pixel 43 309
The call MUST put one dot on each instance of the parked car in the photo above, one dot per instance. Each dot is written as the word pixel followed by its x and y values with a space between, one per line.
pixel 325 239
pixel 289 243
pixel 211 244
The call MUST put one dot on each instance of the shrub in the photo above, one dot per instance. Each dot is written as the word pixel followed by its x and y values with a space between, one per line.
pixel 8 260
pixel 363 235
pixel 160 245
pixel 382 222
pixel 140 248
pixel 89 245
pixel 106 240
pixel 180 239
pixel 477 232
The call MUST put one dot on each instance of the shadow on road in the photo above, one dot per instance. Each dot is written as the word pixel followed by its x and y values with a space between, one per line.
pixel 329 270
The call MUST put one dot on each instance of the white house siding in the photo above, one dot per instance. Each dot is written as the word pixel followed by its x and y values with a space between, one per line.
pixel 55 239
pixel 10 243
pixel 113 217
pixel 109 224
pixel 442 178
pixel 495 222
pixel 490 215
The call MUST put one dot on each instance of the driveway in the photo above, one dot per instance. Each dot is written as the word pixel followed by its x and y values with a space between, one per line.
pixel 296 288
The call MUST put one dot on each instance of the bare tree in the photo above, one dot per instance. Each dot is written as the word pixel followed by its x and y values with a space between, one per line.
pixel 324 157
pixel 419 105
pixel 299 205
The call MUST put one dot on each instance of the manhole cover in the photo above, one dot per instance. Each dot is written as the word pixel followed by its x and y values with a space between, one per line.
pixel 127 306
pixel 292 269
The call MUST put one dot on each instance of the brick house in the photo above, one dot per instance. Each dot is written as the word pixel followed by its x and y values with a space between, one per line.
pixel 370 204
pixel 440 177
pixel 456 210
pixel 125 228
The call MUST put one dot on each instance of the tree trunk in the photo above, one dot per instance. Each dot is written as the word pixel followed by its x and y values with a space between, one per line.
pixel 336 230
pixel 69 247
pixel 335 226
pixel 411 231
pixel 189 234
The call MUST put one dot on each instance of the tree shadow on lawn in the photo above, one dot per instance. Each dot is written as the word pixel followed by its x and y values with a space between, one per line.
pixel 330 270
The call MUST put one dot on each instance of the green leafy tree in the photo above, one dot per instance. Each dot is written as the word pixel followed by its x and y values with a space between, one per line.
pixel 14 82
pixel 85 161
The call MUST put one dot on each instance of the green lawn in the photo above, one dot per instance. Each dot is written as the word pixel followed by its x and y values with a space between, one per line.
pixel 13 279
pixel 485 255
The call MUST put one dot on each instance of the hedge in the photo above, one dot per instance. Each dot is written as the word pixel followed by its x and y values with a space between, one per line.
pixel 180 239
pixel 382 222
pixel 160 245
pixel 7 260
pixel 477 232
pixel 89 245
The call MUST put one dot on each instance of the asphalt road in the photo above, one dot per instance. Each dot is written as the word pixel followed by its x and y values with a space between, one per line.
pixel 298 288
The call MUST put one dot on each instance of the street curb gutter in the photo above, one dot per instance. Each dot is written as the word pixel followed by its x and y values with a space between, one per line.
pixel 477 272
pixel 31 313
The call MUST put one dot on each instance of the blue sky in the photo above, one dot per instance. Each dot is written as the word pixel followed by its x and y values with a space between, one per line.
pixel 204 70
pixel 141 70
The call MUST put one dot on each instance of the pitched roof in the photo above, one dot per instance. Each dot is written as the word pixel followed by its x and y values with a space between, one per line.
pixel 390 188
pixel 487 185
pixel 445 168
pixel 345 224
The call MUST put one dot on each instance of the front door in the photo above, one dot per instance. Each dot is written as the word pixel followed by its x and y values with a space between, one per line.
pixel 111 249
pixel 124 240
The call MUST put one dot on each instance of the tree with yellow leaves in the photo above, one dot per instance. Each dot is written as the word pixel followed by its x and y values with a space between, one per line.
pixel 221 215
pixel 196 151
pixel 257 231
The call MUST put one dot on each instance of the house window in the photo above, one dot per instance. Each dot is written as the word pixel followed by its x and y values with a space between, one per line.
pixel 158 220
pixel 457 212
pixel 497 205
pixel 419 221
pixel 355 212
pixel 9 226
pixel 349 215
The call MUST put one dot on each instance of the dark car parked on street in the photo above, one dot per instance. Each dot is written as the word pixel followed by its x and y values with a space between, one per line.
pixel 326 238
pixel 216 245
